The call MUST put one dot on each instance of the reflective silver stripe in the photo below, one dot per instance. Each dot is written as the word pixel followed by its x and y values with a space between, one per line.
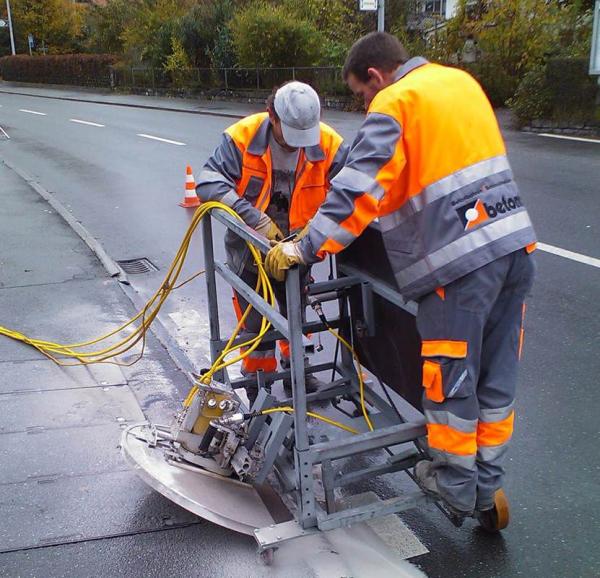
pixel 440 457
pixel 458 180
pixel 207 176
pixel 451 420
pixel 229 198
pixel 463 246
pixel 445 187
pixel 262 354
pixel 495 415
pixel 331 230
pixel 458 383
pixel 355 180
pixel 491 454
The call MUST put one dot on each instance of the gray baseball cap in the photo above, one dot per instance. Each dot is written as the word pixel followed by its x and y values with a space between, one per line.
pixel 299 110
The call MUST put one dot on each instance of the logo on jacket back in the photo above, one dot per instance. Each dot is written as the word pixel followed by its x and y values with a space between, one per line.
pixel 473 214
pixel 477 212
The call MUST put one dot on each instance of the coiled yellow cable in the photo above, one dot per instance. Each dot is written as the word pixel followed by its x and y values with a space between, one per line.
pixel 77 351
pixel 290 409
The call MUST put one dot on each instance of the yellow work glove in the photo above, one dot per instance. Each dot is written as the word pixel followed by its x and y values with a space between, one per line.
pixel 280 258
pixel 267 228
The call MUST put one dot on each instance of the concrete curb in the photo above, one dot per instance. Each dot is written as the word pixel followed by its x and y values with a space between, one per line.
pixel 128 104
pixel 108 263
pixel 160 331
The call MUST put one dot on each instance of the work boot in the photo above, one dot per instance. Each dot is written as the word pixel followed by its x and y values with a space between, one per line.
pixel 427 481
pixel 312 382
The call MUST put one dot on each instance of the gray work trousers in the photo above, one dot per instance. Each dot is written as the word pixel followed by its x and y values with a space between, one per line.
pixel 472 333
pixel 263 357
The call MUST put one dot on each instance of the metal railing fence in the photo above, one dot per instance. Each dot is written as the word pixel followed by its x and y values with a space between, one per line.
pixel 326 80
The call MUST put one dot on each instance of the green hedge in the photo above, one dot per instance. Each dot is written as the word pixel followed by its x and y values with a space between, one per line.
pixel 76 69
pixel 573 91
pixel 560 90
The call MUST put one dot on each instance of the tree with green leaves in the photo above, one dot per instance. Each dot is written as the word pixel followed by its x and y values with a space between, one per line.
pixel 203 32
pixel 265 35
pixel 55 24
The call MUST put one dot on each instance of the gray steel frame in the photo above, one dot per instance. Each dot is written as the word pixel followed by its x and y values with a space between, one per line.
pixel 294 462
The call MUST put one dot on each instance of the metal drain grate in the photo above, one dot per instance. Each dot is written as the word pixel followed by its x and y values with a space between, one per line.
pixel 137 266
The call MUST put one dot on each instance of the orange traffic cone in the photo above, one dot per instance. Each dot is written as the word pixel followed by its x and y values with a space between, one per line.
pixel 190 199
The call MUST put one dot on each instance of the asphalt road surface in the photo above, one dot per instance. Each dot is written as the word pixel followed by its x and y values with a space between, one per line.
pixel 105 163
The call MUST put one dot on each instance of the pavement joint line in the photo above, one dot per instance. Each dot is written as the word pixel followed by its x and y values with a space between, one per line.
pixel 51 478
pixel 104 537
pixel 592 261
pixel 151 137
pixel 129 105
pixel 87 122
pixel 49 283
pixel 565 137
pixel 18 391
pixel 32 112
pixel 41 358
pixel 43 428
pixel 4 132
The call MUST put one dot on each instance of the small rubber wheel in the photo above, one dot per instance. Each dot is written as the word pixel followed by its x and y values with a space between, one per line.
pixel 267 556
pixel 498 517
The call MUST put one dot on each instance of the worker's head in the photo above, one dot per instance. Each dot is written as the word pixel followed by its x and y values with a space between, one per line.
pixel 371 64
pixel 295 113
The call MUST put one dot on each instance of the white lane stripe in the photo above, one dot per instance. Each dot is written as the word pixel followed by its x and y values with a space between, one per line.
pixel 175 142
pixel 578 138
pixel 569 255
pixel 32 111
pixel 4 132
pixel 85 122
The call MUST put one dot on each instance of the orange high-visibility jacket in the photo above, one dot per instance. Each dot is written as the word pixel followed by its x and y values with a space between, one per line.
pixel 429 166
pixel 239 174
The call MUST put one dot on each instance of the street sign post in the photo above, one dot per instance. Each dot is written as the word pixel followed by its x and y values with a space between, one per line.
pixel 10 28
pixel 595 54
pixel 374 6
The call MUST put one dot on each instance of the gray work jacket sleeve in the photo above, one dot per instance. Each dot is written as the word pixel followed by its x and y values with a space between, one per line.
pixel 219 177
pixel 356 190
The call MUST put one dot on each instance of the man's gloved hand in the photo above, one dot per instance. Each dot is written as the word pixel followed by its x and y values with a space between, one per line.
pixel 267 228
pixel 280 258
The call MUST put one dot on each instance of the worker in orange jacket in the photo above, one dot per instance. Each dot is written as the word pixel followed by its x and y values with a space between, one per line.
pixel 429 170
pixel 274 169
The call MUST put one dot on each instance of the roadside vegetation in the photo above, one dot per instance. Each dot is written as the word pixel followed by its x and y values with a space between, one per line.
pixel 528 54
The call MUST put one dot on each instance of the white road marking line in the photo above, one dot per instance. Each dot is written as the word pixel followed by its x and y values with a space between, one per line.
pixel 4 132
pixel 85 122
pixel 175 142
pixel 578 138
pixel 32 111
pixel 569 255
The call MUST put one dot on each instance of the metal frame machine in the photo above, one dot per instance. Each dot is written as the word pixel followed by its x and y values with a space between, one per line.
pixel 273 470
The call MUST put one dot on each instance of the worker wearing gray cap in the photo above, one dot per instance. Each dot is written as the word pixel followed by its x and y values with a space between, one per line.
pixel 273 168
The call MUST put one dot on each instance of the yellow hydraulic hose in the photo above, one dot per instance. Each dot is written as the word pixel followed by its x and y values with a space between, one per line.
pixel 79 351
pixel 290 409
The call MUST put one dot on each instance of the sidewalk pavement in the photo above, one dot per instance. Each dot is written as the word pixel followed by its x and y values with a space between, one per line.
pixel 70 506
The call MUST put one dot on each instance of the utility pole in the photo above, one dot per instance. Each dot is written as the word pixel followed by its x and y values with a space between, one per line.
pixel 381 16
pixel 10 28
